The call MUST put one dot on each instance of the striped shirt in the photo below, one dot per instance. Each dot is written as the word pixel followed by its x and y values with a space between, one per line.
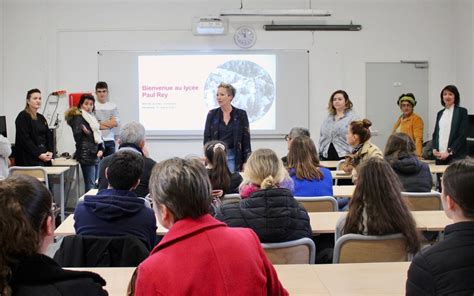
pixel 335 132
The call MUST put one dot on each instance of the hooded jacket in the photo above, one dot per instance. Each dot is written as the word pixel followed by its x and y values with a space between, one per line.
pixel 414 174
pixel 273 214
pixel 86 147
pixel 40 275
pixel 116 213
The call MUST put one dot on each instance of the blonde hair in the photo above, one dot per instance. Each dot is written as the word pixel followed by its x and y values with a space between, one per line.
pixel 265 169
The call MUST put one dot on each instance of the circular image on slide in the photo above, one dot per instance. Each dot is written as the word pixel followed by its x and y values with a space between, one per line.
pixel 255 89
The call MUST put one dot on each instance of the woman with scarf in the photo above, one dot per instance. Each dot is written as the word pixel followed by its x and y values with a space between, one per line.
pixel 89 144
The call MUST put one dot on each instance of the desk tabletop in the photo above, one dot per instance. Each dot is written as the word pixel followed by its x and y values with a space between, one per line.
pixel 330 164
pixel 304 279
pixel 62 161
pixel 320 222
pixel 340 175
pixel 55 170
pixel 343 190
pixel 437 169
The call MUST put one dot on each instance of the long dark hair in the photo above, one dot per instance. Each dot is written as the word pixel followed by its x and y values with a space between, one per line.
pixel 303 158
pixel 455 91
pixel 219 174
pixel 378 192
pixel 28 96
pixel 25 203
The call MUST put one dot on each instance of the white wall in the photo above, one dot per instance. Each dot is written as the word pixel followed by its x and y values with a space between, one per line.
pixel 2 19
pixel 37 51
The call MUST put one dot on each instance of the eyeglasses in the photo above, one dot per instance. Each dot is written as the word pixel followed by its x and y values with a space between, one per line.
pixel 55 210
pixel 287 138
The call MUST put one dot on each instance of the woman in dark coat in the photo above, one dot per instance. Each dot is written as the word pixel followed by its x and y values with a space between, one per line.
pixel 89 144
pixel 26 207
pixel 231 126
pixel 33 139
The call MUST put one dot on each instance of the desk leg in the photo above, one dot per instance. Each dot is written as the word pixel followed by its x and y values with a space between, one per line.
pixel 61 190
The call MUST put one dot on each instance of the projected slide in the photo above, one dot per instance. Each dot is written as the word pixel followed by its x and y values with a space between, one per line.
pixel 176 91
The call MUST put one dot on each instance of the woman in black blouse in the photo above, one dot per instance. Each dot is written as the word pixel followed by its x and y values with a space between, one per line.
pixel 231 126
pixel 33 140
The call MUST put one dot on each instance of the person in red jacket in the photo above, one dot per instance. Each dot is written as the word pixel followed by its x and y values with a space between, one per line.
pixel 200 255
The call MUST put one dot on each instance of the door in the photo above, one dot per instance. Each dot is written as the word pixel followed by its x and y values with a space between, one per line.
pixel 385 83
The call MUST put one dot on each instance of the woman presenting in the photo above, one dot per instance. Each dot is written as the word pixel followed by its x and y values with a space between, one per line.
pixel 33 139
pixel 231 126
pixel 449 137
pixel 332 142
pixel 409 122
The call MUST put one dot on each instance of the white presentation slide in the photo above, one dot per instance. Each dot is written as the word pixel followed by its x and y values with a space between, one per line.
pixel 176 91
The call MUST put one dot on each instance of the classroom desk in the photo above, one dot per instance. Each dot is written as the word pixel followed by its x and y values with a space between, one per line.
pixel 304 279
pixel 320 222
pixel 340 175
pixel 343 191
pixel 437 169
pixel 69 162
pixel 330 164
pixel 59 171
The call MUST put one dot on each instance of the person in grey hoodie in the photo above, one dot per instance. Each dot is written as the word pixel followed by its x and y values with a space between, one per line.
pixel 117 211
pixel 414 174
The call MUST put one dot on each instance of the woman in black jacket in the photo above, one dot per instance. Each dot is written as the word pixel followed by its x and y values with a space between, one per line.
pixel 89 144
pixel 270 210
pixel 414 174
pixel 26 208
pixel 231 126
pixel 33 139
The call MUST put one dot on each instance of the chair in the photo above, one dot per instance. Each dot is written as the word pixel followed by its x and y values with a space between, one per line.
pixel 423 201
pixel 231 198
pixel 318 203
pixel 300 251
pixel 37 172
pixel 358 248
pixel 101 251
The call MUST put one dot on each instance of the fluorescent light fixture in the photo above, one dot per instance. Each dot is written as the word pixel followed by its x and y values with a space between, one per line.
pixel 276 12
pixel 312 27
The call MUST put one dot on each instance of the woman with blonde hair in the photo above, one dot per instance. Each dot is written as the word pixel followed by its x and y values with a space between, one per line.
pixel 270 209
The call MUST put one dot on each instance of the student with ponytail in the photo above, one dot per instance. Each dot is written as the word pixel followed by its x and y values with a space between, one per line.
pixel 27 229
pixel 219 174
pixel 270 209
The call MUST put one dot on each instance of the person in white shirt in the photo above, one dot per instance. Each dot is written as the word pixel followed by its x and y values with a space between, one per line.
pixel 106 113
pixel 449 137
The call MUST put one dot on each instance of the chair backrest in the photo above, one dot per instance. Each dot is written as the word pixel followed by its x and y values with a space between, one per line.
pixel 300 251
pixel 37 172
pixel 231 198
pixel 423 201
pixel 101 251
pixel 358 248
pixel 318 203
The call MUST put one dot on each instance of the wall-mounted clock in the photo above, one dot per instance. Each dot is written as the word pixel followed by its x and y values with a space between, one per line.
pixel 245 37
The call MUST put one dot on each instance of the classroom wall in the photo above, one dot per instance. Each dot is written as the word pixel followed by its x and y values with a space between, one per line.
pixel 2 18
pixel 40 48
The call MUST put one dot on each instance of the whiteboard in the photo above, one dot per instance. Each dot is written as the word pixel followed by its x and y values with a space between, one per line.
pixel 120 70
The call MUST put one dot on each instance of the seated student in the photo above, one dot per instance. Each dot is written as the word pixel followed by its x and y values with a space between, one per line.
pixel 200 255
pixel 216 164
pixel 27 229
pixel 377 207
pixel 309 178
pixel 446 268
pixel 117 211
pixel 270 210
pixel 414 174
pixel 131 138
pixel 294 132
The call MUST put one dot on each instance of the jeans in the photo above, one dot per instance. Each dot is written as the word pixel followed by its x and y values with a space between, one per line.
pixel 90 175
pixel 231 160
pixel 109 148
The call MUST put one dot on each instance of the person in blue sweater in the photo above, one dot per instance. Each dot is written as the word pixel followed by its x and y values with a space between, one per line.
pixel 117 211
pixel 310 179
